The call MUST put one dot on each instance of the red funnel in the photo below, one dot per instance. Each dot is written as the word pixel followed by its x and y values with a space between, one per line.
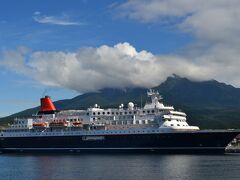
pixel 47 105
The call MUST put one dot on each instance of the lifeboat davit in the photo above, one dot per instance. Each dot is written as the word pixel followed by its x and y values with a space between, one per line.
pixel 58 124
pixel 78 123
pixel 39 124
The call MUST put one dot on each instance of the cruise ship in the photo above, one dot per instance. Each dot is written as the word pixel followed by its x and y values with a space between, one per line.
pixel 155 128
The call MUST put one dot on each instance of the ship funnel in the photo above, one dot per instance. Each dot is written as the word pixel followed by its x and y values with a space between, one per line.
pixel 47 107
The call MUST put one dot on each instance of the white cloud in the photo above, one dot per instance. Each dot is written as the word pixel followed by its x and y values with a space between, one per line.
pixel 213 55
pixel 213 24
pixel 215 20
pixel 91 69
pixel 120 66
pixel 56 20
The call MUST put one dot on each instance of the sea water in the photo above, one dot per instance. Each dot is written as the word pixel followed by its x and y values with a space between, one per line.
pixel 118 166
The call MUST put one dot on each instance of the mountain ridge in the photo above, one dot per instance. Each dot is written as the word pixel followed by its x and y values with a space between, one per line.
pixel 209 104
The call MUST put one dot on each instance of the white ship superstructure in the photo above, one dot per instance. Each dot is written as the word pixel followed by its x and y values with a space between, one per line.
pixel 153 116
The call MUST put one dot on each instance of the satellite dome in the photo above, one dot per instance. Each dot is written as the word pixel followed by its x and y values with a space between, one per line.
pixel 130 105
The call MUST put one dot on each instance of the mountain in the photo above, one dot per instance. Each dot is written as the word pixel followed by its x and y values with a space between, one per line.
pixel 208 104
pixel 200 94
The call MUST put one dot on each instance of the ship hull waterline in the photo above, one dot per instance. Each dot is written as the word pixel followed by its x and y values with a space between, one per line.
pixel 205 142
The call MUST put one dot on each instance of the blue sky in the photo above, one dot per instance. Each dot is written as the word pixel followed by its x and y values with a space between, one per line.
pixel 152 36
pixel 99 24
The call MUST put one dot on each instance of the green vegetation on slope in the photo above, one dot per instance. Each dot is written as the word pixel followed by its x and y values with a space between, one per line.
pixel 208 104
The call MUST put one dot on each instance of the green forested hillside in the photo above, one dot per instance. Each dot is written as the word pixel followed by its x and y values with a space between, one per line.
pixel 208 104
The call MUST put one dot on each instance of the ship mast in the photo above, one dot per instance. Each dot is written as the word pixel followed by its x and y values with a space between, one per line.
pixel 154 95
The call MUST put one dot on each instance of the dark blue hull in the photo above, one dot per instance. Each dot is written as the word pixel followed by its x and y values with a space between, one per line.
pixel 179 142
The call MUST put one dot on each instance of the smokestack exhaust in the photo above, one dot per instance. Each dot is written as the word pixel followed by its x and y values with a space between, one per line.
pixel 47 107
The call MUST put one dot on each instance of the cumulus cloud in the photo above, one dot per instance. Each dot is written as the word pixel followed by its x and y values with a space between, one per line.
pixel 213 24
pixel 212 20
pixel 213 55
pixel 91 69
pixel 56 20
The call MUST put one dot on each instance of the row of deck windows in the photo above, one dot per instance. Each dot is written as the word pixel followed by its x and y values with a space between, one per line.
pixel 112 118
pixel 121 113
pixel 178 125
pixel 19 126
pixel 176 120
pixel 19 122
pixel 107 132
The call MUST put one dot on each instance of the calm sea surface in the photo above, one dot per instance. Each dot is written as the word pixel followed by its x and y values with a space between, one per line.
pixel 119 167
